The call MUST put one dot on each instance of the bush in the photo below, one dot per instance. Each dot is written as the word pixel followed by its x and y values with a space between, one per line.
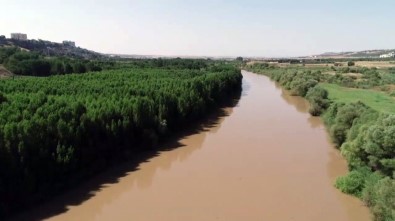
pixel 318 99
pixel 300 86
pixel 351 63
pixel 341 118
pixel 382 200
pixel 369 194
pixel 376 191
pixel 338 133
pixel 374 145
pixel 354 182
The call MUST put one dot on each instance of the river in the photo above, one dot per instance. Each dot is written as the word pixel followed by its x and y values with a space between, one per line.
pixel 264 159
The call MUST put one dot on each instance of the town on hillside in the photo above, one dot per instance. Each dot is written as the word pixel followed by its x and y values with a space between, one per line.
pixel 66 48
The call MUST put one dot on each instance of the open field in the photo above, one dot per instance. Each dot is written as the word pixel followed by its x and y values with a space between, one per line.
pixel 376 64
pixel 376 100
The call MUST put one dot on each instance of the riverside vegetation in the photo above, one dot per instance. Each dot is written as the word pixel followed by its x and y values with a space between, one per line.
pixel 56 131
pixel 357 106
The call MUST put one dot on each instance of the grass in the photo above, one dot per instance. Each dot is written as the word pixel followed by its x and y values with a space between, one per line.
pixel 374 99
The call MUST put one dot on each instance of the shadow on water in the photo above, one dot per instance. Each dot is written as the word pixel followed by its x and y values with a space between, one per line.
pixel 88 189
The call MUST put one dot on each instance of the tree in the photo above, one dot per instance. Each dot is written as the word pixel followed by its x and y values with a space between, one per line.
pixel 239 59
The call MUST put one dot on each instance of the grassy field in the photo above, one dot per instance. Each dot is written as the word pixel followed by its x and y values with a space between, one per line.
pixel 376 100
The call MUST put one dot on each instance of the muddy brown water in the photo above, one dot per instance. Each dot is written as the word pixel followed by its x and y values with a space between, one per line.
pixel 267 159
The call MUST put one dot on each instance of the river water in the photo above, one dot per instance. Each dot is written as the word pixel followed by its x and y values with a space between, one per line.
pixel 265 159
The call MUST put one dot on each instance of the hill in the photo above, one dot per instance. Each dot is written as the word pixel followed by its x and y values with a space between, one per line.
pixel 355 54
pixel 49 48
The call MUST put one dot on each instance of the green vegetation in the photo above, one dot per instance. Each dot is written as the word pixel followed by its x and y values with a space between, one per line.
pixel 350 63
pixel 360 122
pixel 377 100
pixel 33 64
pixel 56 131
pixel 318 99
pixel 176 63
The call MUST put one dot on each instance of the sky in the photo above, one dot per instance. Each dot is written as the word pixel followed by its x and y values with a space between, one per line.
pixel 248 28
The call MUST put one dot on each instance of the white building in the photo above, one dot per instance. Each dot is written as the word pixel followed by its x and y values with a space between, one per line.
pixel 19 36
pixel 389 55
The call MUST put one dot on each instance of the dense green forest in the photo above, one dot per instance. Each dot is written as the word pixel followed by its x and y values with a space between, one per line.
pixel 364 133
pixel 56 131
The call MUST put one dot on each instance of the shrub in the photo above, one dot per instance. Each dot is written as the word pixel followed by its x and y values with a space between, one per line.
pixel 300 86
pixel 318 98
pixel 374 145
pixel 341 118
pixel 383 200
pixel 354 182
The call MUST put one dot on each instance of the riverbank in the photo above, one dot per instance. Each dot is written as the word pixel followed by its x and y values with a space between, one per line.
pixel 363 134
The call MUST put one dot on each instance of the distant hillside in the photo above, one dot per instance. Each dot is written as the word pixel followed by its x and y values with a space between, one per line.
pixel 49 48
pixel 355 54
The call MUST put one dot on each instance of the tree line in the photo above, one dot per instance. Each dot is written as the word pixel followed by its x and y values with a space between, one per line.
pixel 28 63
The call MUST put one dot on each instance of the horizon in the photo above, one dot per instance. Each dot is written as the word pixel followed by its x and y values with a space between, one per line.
pixel 200 56
pixel 206 28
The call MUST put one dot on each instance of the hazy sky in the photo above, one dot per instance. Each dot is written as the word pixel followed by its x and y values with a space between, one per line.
pixel 206 27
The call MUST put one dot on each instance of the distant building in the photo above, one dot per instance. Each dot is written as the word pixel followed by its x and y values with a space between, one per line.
pixel 19 36
pixel 389 55
pixel 69 43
